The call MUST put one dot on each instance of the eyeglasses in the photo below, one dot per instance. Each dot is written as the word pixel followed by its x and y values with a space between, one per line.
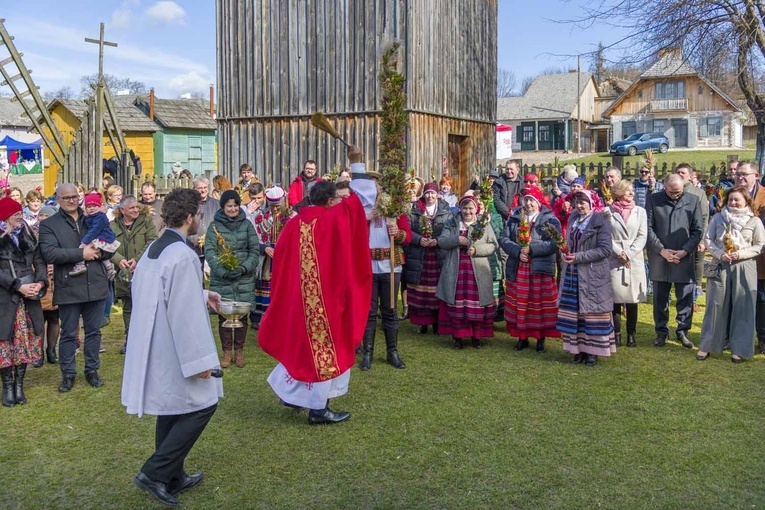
pixel 673 194
pixel 69 199
pixel 645 171
pixel 739 174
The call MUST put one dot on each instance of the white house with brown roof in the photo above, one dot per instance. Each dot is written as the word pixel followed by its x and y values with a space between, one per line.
pixel 671 97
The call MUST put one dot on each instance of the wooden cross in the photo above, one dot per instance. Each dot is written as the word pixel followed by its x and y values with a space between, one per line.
pixel 101 43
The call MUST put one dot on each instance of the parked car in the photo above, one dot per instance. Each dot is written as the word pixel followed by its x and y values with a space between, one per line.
pixel 639 142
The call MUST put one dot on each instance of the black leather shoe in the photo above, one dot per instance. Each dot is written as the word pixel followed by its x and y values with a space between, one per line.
pixel 394 360
pixel 93 379
pixel 592 360
pixel 326 417
pixel 578 358
pixel 683 339
pixel 618 339
pixel 477 343
pixel 157 489
pixel 660 341
pixel 521 344
pixel 631 340
pixel 540 345
pixel 366 361
pixel 39 362
pixel 52 358
pixel 67 382
pixel 124 348
pixel 458 343
pixel 188 482
pixel 423 330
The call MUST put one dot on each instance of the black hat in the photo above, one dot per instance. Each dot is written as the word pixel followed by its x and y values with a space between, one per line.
pixel 228 195
pixel 494 173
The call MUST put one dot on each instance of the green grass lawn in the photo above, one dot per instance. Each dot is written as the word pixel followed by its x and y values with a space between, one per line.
pixel 490 428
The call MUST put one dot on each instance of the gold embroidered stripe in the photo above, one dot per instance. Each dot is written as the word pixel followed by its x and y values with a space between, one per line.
pixel 316 320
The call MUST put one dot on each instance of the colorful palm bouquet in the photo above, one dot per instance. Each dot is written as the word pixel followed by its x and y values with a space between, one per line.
pixel 426 227
pixel 485 197
pixel 524 230
pixel 226 256
pixel 728 243
pixel 556 236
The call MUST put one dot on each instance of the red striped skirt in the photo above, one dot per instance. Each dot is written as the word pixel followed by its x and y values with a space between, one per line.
pixel 531 305
pixel 466 318
pixel 422 300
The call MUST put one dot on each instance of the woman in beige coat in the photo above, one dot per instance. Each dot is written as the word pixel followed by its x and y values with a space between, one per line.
pixel 630 231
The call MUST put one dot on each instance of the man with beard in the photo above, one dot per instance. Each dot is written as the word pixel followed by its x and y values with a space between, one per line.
pixel 301 186
pixel 172 350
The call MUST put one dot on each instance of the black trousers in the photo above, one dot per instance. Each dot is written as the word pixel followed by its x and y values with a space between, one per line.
pixel 632 316
pixel 381 302
pixel 661 299
pixel 174 438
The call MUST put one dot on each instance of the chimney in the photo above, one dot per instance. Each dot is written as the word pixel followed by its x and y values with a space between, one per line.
pixel 212 102
pixel 151 104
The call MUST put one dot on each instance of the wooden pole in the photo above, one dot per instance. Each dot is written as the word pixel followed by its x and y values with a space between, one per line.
pixel 578 104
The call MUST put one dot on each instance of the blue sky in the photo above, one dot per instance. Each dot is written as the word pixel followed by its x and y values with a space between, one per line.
pixel 170 45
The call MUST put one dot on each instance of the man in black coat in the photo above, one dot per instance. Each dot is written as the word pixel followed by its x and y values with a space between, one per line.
pixel 675 228
pixel 505 188
pixel 82 295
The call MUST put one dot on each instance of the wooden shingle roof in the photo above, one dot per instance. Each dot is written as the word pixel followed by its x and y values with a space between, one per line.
pixel 551 96
pixel 131 119
pixel 11 114
pixel 179 113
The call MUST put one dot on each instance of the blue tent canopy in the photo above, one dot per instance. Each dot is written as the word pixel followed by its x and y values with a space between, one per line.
pixel 14 145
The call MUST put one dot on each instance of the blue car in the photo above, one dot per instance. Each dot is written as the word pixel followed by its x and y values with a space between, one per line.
pixel 639 142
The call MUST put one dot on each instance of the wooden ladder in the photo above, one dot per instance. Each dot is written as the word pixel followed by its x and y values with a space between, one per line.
pixel 23 87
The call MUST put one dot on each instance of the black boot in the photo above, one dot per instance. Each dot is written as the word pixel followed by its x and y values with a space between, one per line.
pixel 9 396
pixel 521 344
pixel 761 345
pixel 326 416
pixel 477 343
pixel 39 362
pixel 423 329
pixel 541 345
pixel 391 344
pixel 435 329
pixel 617 316
pixel 618 337
pixel 457 343
pixel 368 347
pixel 631 340
pixel 21 370
pixel 51 354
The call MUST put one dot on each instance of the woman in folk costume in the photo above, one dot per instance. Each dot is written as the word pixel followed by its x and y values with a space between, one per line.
pixel 562 208
pixel 735 238
pixel 268 224
pixel 232 250
pixel 531 294
pixel 467 306
pixel 22 282
pixel 416 189
pixel 586 296
pixel 629 223
pixel 421 270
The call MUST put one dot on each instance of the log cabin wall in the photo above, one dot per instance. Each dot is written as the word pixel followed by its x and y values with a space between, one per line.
pixel 281 61
pixel 699 96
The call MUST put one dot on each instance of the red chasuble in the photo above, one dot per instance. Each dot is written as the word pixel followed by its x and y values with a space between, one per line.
pixel 321 289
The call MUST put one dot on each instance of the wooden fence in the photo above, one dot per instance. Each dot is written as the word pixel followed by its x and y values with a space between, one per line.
pixel 548 173
pixel 163 183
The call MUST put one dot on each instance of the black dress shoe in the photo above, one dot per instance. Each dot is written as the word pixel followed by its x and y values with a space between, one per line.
pixel 52 358
pixel 521 344
pixel 540 345
pixel 326 417
pixel 423 329
pixel 39 362
pixel 578 358
pixel 67 382
pixel 631 340
pixel 93 379
pixel 660 341
pixel 188 482
pixel 683 339
pixel 592 360
pixel 157 489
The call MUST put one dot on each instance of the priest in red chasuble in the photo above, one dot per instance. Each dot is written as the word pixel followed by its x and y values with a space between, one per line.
pixel 320 298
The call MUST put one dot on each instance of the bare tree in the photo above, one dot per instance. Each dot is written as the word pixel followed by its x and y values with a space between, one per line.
pixel 114 83
pixel 62 93
pixel 693 25
pixel 506 83
pixel 598 64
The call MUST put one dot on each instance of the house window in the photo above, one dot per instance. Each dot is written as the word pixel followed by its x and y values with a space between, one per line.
pixel 710 127
pixel 629 129
pixel 528 133
pixel 669 90
pixel 659 125
pixel 544 133
pixel 701 90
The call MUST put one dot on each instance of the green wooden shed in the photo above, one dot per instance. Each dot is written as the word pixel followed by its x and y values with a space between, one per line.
pixel 188 135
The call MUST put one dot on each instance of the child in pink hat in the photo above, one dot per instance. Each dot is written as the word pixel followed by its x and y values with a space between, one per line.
pixel 99 233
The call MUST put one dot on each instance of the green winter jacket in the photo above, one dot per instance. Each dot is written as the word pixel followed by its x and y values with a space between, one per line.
pixel 239 235
pixel 133 242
